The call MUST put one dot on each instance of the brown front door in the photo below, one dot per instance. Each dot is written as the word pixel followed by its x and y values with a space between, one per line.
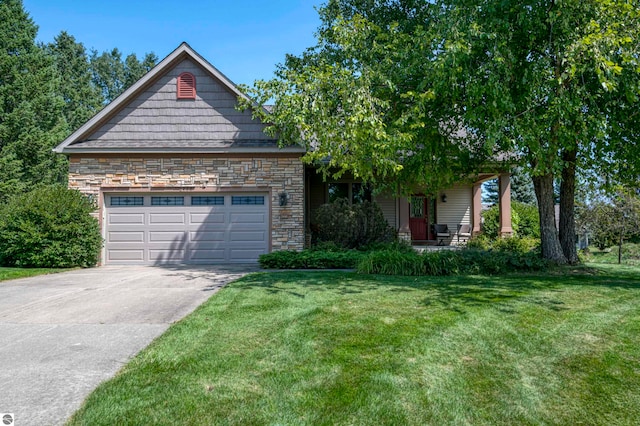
pixel 418 217
pixel 422 215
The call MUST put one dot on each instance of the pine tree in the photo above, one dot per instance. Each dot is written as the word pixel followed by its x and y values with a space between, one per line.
pixel 31 111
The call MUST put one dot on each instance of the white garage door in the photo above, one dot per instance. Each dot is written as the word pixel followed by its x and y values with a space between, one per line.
pixel 178 228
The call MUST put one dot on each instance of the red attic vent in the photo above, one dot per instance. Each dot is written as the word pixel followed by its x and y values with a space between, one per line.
pixel 186 86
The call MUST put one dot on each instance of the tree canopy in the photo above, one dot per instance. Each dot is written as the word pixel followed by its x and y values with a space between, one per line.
pixel 424 93
pixel 46 92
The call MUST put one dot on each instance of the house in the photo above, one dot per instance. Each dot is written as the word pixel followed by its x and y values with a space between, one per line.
pixel 180 175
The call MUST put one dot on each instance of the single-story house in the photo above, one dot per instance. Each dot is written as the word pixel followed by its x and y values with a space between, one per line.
pixel 180 175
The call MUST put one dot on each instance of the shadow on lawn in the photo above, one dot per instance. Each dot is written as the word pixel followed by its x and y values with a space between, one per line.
pixel 455 293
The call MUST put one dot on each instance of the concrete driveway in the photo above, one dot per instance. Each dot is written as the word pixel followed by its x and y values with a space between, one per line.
pixel 63 334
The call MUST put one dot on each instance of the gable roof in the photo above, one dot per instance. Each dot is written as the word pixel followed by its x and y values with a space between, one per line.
pixel 80 141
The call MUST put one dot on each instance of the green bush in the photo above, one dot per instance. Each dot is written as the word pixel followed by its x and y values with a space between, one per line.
pixel 480 242
pixel 310 259
pixel 524 221
pixel 519 245
pixel 49 227
pixel 351 225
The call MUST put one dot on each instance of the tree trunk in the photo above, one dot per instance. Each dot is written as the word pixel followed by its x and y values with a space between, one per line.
pixel 567 231
pixel 551 249
pixel 620 245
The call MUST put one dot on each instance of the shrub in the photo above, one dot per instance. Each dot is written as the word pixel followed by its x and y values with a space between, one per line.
pixel 516 244
pixel 351 225
pixel 49 227
pixel 480 242
pixel 310 259
pixel 524 220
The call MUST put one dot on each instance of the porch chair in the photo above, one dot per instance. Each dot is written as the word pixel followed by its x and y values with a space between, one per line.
pixel 442 232
pixel 464 231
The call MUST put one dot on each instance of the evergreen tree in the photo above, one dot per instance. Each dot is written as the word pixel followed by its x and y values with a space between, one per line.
pixel 522 187
pixel 31 112
pixel 81 97
pixel 112 75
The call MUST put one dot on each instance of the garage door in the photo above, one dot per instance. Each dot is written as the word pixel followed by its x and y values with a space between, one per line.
pixel 178 228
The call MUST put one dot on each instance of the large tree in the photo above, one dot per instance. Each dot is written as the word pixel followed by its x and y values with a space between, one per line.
pixel 426 92
pixel 31 109
pixel 112 75
pixel 81 97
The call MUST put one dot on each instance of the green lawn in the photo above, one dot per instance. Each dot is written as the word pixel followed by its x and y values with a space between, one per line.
pixel 13 273
pixel 330 348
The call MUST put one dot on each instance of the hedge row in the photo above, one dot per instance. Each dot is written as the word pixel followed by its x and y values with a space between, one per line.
pixel 311 259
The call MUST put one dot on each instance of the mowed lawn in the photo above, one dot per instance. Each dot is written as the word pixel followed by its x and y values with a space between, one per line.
pixel 15 273
pixel 298 348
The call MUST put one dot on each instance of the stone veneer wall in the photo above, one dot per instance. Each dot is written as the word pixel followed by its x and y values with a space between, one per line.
pixel 90 175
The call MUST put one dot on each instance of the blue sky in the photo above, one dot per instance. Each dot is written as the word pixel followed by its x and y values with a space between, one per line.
pixel 244 39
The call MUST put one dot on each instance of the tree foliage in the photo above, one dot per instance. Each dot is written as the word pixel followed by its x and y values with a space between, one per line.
pixel 424 93
pixel 46 92
pixel 612 220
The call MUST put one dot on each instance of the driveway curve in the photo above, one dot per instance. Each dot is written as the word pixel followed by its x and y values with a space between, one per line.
pixel 63 334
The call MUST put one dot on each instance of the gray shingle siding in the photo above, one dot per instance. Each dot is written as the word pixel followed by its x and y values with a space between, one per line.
pixel 156 118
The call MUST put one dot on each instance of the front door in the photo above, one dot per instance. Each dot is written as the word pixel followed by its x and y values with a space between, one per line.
pixel 421 216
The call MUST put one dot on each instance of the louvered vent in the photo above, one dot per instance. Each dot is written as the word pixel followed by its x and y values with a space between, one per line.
pixel 186 86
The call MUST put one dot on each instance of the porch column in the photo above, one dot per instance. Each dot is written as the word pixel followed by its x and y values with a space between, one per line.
pixel 404 231
pixel 476 209
pixel 504 182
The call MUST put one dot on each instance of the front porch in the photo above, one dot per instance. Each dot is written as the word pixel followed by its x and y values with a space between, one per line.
pixel 418 218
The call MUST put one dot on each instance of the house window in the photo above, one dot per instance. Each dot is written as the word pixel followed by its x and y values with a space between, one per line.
pixel 247 200
pixel 337 191
pixel 354 192
pixel 208 201
pixel 186 86
pixel 127 201
pixel 167 201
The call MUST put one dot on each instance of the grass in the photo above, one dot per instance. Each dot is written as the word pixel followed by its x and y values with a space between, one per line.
pixel 630 255
pixel 14 273
pixel 329 348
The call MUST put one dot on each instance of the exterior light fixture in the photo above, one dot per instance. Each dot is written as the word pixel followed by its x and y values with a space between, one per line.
pixel 283 198
pixel 443 197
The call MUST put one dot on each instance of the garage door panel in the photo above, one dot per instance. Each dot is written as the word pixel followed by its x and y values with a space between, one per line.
pixel 254 236
pixel 125 236
pixel 166 218
pixel 125 255
pixel 166 236
pixel 206 218
pixel 207 236
pixel 236 217
pixel 126 218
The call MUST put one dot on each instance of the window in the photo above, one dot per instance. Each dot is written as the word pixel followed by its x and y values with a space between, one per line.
pixel 207 201
pixel 186 86
pixel 247 200
pixel 360 193
pixel 337 191
pixel 355 192
pixel 167 201
pixel 127 201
